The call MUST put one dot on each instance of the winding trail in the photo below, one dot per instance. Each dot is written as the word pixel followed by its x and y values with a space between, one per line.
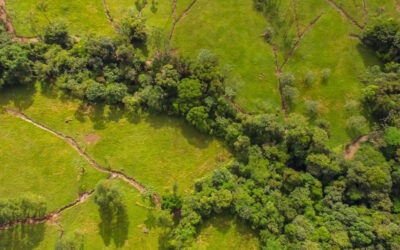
pixel 352 149
pixel 9 26
pixel 181 16
pixel 107 12
pixel 52 216
pixel 75 145
pixel 345 14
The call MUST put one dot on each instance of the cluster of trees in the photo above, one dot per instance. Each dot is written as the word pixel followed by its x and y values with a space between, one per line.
pixel 297 193
pixel 21 208
pixel 285 180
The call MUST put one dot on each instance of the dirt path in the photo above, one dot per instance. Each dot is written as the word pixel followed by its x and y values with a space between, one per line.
pixel 237 106
pixel 181 16
pixel 9 26
pixel 294 4
pixel 397 5
pixel 297 43
pixel 352 149
pixel 278 74
pixel 51 217
pixel 75 145
pixel 345 14
pixel 107 12
pixel 365 13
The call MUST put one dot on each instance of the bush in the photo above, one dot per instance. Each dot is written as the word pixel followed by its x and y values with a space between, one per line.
pixel 357 125
pixel 133 27
pixel 287 79
pixel 326 73
pixel 312 108
pixel 309 79
pixel 289 94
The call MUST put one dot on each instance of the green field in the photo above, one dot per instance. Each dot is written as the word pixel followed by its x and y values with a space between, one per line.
pixel 32 160
pixel 158 151
pixel 83 17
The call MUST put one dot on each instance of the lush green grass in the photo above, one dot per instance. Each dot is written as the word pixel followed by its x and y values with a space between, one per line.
pixel 157 150
pixel 82 16
pixel 224 232
pixel 232 30
pixel 35 161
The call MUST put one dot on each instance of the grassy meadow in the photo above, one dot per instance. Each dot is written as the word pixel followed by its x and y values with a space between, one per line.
pixel 35 161
pixel 158 151
pixel 82 16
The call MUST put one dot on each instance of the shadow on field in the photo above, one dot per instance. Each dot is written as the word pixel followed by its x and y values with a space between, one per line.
pixel 369 56
pixel 22 98
pixel 114 226
pixel 22 237
pixel 193 136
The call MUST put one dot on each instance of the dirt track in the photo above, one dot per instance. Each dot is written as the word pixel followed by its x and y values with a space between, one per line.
pixel 352 149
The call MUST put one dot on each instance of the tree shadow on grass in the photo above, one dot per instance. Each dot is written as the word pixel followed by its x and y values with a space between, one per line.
pixel 369 56
pixel 22 237
pixel 21 96
pixel 114 226
pixel 49 90
pixel 193 136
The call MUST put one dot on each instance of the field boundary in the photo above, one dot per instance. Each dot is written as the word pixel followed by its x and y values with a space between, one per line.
pixel 114 174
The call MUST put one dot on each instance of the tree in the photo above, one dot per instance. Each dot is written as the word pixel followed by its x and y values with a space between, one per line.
pixel 312 108
pixel 320 166
pixel 116 92
pixel 108 195
pixel 57 33
pixel 95 91
pixel 287 79
pixel 383 38
pixel 357 125
pixel 326 73
pixel 133 27
pixel 309 79
pixel 197 116
pixel 189 93
pixel 15 66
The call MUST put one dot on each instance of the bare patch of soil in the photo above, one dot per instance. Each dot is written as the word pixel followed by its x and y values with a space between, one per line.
pixel 91 138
